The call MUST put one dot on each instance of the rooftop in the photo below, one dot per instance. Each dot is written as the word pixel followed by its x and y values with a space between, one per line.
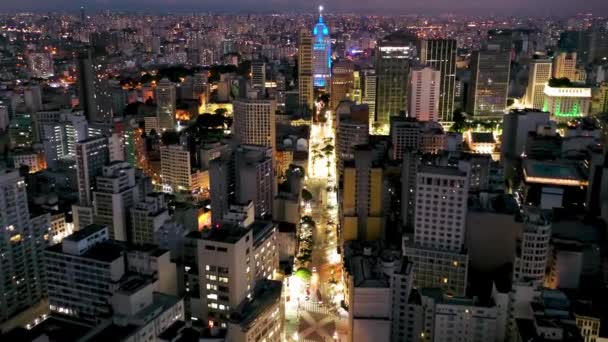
pixel 482 138
pixel 442 170
pixel 85 232
pixel 105 251
pixel 266 294
pixel 226 233
pixel 553 172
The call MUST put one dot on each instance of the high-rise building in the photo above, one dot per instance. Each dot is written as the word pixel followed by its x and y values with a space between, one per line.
pixel 32 96
pixel 87 254
pixel 424 94
pixel 321 56
pixel 261 317
pixel 115 193
pixel 176 170
pixel 342 82
pixel 258 74
pixel 489 82
pixel 254 177
pixel 437 249
pixel 564 65
pixel 22 243
pixel 165 102
pixel 540 73
pixel 392 64
pixel 305 70
pixel 440 54
pixel 362 212
pixel 226 271
pixel 255 122
pixel 369 94
pixel 147 217
pixel 91 156
pixel 89 89
pixel 515 129
pixel 352 130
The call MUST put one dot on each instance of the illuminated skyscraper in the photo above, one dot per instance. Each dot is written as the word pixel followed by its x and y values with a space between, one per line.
pixel 165 101
pixel 424 94
pixel 392 64
pixel 564 65
pixel 489 81
pixel 321 53
pixel 342 82
pixel 440 54
pixel 305 70
pixel 540 73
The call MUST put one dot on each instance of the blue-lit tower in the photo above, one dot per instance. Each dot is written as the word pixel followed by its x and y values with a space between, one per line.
pixel 321 53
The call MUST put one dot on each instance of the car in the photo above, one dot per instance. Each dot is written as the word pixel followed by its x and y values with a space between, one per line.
pixel 314 270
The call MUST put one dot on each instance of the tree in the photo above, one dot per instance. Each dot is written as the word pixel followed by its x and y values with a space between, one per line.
pixel 170 137
pixel 459 121
pixel 221 111
pixel 306 195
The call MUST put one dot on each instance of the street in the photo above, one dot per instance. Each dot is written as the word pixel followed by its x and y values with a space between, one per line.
pixel 313 312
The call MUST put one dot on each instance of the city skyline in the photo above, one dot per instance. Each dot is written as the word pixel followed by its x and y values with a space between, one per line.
pixel 381 7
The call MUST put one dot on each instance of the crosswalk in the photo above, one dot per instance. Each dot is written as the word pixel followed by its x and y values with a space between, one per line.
pixel 316 307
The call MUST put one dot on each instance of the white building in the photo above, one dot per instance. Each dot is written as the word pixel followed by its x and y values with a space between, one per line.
pixel 424 94
pixel 22 243
pixel 260 318
pixel 255 122
pixel 567 102
pixel 116 192
pixel 91 155
pixel 539 75
pixel 147 217
pixel 85 257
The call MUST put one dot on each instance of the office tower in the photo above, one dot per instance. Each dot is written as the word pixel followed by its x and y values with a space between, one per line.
pixel 226 271
pixel 599 99
pixel 22 243
pixel 567 102
pixel 369 94
pixel 321 57
pixel 176 169
pixel 91 156
pixel 83 17
pixel 597 43
pixel 85 255
pixel 221 185
pixel 254 177
pixel 342 82
pixel 440 54
pixel 20 131
pixel 165 102
pixel 352 130
pixel 135 148
pixel 532 252
pixel 40 64
pixel 32 96
pixel 405 136
pixel 394 54
pixel 258 75
pixel 362 212
pixel 255 122
pixel 87 77
pixel 515 128
pixel 489 82
pixel 59 132
pixel 357 92
pixel 437 249
pixel 147 217
pixel 564 65
pixel 305 70
pixel 261 317
pixel 424 94
pixel 440 219
pixel 539 75
pixel 115 193
pixel 401 285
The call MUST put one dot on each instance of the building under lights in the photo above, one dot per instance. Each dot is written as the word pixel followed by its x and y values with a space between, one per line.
pixel 567 102
pixel 321 53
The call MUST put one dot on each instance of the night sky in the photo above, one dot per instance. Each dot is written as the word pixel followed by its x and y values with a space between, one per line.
pixel 510 7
